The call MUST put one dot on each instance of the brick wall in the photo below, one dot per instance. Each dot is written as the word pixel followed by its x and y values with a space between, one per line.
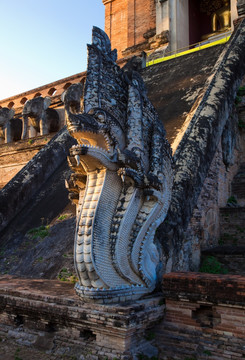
pixel 126 22
pixel 116 23
pixel 14 156
pixel 39 308
pixel 205 317
pixel 232 221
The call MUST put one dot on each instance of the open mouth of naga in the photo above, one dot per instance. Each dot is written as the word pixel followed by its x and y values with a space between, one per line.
pixel 96 147
pixel 93 140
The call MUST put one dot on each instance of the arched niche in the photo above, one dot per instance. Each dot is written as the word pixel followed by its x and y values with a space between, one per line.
pixel 11 104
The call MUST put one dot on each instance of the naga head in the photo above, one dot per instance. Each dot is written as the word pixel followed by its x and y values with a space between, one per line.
pixel 98 133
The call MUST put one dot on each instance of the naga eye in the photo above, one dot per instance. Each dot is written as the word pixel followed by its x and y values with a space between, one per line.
pixel 100 117
pixel 91 112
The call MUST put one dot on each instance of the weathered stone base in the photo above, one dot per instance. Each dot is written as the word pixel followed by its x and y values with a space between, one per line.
pixel 47 314
pixel 205 317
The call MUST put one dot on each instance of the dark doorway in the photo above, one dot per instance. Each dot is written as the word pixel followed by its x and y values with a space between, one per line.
pixel 199 22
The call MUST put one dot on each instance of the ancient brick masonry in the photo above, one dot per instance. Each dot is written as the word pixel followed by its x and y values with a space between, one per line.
pixel 129 23
pixel 48 311
pixel 205 316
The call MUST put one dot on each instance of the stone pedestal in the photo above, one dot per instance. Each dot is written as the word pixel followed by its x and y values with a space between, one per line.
pixel 48 312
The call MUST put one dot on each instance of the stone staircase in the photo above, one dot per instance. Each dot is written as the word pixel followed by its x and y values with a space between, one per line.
pixel 231 250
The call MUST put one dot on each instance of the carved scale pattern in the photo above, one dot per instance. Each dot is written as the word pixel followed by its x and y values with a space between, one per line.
pixel 83 242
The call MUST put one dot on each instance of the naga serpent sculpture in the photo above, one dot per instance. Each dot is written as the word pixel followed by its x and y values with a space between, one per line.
pixel 122 179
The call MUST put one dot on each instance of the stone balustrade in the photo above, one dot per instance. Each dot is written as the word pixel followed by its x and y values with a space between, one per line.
pixel 54 90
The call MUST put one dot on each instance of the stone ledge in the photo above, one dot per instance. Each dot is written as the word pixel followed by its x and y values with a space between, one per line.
pixel 15 155
pixel 232 210
pixel 22 145
pixel 225 250
pixel 216 289
pixel 42 304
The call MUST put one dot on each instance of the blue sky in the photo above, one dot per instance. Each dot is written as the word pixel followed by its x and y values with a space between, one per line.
pixel 44 41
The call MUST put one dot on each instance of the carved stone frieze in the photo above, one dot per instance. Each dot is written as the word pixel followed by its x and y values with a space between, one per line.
pixel 122 179
pixel 10 128
pixel 36 113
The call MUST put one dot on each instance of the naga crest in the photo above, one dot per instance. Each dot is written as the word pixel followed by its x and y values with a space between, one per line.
pixel 122 179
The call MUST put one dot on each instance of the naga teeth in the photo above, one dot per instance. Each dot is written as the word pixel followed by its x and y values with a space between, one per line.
pixel 77 157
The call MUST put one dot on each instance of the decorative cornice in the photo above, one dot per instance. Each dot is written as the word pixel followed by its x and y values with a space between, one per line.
pixel 107 1
pixel 43 87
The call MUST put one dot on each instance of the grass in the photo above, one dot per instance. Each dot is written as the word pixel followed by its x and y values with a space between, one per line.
pixel 38 260
pixel 240 229
pixel 238 100
pixel 241 124
pixel 227 238
pixel 62 217
pixel 211 265
pixel 16 355
pixel 67 255
pixel 66 275
pixel 221 241
pixel 150 336
pixel 232 200
pixel 207 352
pixel 41 231
pixel 241 91
pixel 30 141
pixel 240 94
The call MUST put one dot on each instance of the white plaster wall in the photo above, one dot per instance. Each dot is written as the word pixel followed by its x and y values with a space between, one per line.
pixel 162 16
pixel 173 24
pixel 182 23
pixel 179 23
pixel 234 14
